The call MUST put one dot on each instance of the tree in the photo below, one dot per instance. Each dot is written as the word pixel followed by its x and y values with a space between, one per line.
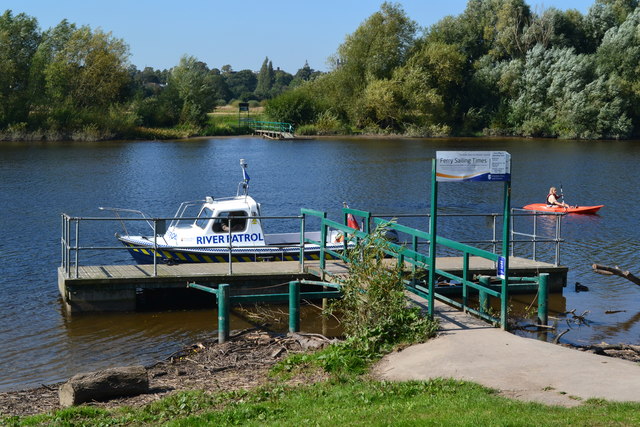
pixel 19 39
pixel 439 69
pixel 618 59
pixel 379 45
pixel 87 69
pixel 604 15
pixel 567 29
pixel 265 79
pixel 195 88
pixel 242 84
pixel 281 82
pixel 305 73
pixel 295 106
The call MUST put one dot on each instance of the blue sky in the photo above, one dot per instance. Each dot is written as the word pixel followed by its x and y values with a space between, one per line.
pixel 237 32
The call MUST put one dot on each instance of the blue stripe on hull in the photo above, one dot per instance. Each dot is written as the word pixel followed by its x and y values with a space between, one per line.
pixel 145 256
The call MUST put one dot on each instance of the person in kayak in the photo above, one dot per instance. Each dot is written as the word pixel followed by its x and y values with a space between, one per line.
pixel 552 199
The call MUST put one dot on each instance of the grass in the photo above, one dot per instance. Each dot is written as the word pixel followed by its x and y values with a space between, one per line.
pixel 354 402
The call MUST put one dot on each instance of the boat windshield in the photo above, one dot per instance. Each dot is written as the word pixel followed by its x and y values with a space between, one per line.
pixel 203 217
pixel 232 219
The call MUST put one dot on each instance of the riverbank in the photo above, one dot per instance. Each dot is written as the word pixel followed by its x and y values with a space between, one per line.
pixel 243 364
pixel 466 348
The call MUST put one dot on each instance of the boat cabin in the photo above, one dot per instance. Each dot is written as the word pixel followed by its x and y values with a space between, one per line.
pixel 218 222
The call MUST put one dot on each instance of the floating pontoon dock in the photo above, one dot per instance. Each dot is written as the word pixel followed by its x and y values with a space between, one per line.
pixel 120 287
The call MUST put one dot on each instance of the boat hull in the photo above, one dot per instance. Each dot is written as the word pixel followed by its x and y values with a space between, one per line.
pixel 144 254
pixel 541 207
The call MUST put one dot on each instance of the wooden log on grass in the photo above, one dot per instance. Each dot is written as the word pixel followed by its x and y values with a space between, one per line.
pixel 104 385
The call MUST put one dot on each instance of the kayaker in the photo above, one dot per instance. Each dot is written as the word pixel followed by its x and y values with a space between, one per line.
pixel 552 199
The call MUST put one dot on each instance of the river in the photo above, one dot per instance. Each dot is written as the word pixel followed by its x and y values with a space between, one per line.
pixel 39 181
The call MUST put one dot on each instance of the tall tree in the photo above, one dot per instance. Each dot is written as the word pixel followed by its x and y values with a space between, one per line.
pixel 19 39
pixel 195 87
pixel 89 70
pixel 618 59
pixel 378 46
pixel 265 79
pixel 242 84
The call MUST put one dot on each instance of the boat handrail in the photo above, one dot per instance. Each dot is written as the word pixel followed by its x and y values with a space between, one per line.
pixel 117 211
pixel 182 209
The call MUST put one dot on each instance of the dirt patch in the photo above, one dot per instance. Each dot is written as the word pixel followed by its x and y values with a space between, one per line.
pixel 243 362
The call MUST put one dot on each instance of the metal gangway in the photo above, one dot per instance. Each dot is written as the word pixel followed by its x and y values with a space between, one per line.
pixel 418 252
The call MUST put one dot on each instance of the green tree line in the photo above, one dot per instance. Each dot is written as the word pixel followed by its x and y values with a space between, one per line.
pixel 77 82
pixel 499 68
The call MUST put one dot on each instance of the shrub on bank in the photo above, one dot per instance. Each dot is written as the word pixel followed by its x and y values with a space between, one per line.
pixel 375 314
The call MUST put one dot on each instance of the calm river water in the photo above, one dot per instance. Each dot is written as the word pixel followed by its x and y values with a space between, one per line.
pixel 42 345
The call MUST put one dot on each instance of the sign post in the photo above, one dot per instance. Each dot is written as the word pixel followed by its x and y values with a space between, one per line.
pixel 242 106
pixel 480 166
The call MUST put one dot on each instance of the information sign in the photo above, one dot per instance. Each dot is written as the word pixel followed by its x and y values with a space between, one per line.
pixel 458 166
pixel 501 267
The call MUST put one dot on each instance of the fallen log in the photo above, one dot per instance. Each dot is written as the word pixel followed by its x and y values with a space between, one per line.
pixel 104 385
pixel 604 269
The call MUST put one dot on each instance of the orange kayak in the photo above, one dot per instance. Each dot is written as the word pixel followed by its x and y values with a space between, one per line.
pixel 543 207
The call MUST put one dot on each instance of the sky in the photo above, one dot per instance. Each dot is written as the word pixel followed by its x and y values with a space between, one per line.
pixel 240 33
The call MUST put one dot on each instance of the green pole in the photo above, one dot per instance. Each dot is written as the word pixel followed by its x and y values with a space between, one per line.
pixel 301 254
pixel 294 306
pixel 223 313
pixel 432 237
pixel 504 297
pixel 323 240
pixel 543 298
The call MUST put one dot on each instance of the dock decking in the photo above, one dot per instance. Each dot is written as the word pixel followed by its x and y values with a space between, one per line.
pixel 114 287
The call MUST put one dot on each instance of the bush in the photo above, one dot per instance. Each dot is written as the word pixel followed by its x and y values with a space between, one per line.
pixel 307 130
pixel 294 106
pixel 328 123
pixel 374 310
pixel 428 131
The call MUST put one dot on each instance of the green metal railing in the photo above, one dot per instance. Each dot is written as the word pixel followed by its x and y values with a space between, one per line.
pixel 409 253
pixel 224 300
pixel 269 126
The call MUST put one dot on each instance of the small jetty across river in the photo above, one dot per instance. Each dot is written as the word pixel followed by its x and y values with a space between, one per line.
pixel 272 130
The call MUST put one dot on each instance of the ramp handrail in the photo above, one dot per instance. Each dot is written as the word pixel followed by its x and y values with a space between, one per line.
pixel 269 126
pixel 415 258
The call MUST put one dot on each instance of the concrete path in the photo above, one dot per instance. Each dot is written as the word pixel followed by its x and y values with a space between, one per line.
pixel 523 368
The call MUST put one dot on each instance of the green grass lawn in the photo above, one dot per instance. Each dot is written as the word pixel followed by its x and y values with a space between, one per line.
pixel 355 402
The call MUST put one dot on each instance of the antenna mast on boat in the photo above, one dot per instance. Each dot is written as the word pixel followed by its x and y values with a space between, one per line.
pixel 245 179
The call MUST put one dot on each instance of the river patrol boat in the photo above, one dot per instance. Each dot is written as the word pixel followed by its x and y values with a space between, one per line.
pixel 223 228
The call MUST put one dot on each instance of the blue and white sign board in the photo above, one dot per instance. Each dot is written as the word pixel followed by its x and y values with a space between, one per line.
pixel 501 265
pixel 458 166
